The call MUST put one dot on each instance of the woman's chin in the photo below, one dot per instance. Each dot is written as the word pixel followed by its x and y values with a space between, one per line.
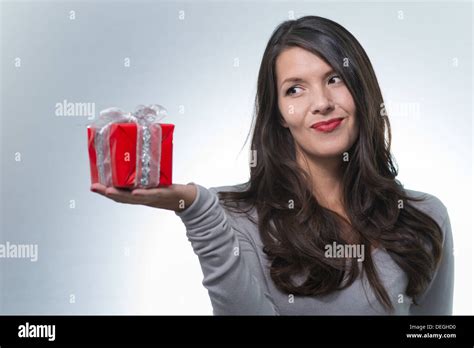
pixel 330 152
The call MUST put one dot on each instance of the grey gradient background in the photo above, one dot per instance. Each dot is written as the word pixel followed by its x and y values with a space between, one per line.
pixel 124 259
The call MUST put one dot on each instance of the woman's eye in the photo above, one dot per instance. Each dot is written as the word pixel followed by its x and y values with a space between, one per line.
pixel 334 78
pixel 291 89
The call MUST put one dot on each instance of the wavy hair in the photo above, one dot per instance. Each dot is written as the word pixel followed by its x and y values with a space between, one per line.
pixel 378 208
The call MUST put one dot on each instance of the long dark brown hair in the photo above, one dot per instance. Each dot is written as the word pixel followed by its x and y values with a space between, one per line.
pixel 376 204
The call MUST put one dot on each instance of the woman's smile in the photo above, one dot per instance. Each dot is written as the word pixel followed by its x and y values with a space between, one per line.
pixel 328 127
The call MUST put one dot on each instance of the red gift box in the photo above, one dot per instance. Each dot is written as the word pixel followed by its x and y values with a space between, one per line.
pixel 120 164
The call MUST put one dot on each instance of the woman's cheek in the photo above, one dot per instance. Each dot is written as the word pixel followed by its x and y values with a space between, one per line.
pixel 285 112
pixel 344 98
pixel 289 109
pixel 293 112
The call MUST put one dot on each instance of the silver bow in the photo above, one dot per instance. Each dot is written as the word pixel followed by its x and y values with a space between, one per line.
pixel 145 117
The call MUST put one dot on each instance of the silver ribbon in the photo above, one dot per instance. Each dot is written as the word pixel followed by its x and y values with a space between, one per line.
pixel 148 157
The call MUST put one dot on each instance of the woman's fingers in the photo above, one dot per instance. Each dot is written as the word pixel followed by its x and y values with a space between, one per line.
pixel 112 191
pixel 146 192
pixel 121 196
pixel 137 196
pixel 98 188
pixel 174 197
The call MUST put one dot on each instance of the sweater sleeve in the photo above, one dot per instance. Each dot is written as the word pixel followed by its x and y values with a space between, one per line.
pixel 438 298
pixel 228 260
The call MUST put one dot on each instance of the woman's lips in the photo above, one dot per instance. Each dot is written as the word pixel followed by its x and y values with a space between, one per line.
pixel 328 126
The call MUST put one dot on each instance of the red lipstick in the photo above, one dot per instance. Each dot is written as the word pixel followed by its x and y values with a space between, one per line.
pixel 328 126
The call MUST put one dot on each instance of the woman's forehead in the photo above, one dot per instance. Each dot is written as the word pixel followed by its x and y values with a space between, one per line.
pixel 296 62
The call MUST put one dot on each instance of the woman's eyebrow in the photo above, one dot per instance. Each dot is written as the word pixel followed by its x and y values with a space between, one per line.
pixel 299 79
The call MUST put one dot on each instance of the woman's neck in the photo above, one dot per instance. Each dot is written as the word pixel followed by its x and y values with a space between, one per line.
pixel 326 179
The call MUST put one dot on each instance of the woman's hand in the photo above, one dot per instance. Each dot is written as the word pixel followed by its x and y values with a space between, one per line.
pixel 175 197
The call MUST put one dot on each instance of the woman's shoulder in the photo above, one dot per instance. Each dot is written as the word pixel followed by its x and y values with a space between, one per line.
pixel 242 216
pixel 230 203
pixel 430 204
pixel 229 188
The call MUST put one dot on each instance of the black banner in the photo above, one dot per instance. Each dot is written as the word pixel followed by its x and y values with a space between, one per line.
pixel 222 330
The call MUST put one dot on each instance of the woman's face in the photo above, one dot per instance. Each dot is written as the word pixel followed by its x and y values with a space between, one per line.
pixel 309 91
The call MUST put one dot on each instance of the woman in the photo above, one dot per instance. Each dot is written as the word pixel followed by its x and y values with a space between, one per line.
pixel 322 226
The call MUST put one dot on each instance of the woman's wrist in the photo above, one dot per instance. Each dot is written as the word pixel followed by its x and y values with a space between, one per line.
pixel 188 194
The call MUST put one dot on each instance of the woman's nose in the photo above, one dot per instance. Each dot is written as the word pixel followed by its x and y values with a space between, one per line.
pixel 321 103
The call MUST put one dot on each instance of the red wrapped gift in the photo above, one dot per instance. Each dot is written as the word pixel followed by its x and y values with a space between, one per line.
pixel 131 150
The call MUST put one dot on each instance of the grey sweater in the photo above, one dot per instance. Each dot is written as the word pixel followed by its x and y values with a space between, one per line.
pixel 236 271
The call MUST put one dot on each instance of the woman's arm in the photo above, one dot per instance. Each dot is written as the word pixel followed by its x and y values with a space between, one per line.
pixel 438 299
pixel 228 259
